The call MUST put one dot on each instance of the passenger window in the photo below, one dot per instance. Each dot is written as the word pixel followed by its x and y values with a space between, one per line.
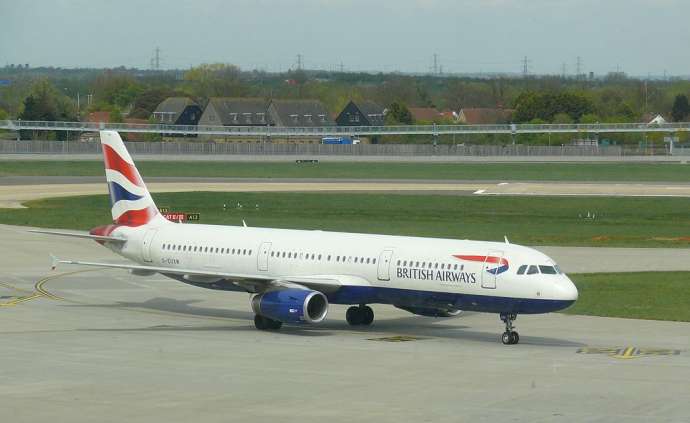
pixel 355 259
pixel 435 265
pixel 373 261
pixel 319 256
pixel 369 259
pixel 521 270
pixel 532 270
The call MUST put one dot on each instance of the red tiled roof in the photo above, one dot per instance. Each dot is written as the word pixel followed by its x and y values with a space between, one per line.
pixel 424 113
pixel 98 117
pixel 485 116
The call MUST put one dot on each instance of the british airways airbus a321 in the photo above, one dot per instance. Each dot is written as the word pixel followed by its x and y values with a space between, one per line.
pixel 293 275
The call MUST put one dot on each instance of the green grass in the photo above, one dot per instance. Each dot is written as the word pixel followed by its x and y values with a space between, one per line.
pixel 644 295
pixel 632 222
pixel 663 172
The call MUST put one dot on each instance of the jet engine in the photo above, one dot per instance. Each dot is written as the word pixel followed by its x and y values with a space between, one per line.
pixel 430 311
pixel 291 305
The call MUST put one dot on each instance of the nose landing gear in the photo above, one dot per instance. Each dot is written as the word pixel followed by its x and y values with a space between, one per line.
pixel 510 336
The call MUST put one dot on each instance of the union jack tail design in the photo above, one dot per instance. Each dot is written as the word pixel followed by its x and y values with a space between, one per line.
pixel 131 203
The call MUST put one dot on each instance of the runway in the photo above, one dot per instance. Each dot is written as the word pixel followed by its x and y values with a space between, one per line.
pixel 16 190
pixel 82 345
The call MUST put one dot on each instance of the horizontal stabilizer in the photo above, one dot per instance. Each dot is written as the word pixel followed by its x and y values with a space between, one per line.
pixel 84 235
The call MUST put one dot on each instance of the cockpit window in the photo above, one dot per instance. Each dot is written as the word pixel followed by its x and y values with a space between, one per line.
pixel 521 270
pixel 547 270
pixel 532 270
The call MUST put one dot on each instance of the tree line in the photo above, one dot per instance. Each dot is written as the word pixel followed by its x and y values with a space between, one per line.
pixel 52 95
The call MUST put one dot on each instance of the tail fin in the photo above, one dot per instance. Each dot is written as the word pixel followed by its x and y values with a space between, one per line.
pixel 130 201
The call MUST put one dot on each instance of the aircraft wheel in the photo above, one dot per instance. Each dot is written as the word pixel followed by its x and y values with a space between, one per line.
pixel 367 315
pixel 354 316
pixel 260 322
pixel 515 336
pixel 506 338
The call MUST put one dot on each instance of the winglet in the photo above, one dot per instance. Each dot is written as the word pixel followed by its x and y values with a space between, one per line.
pixel 244 223
pixel 505 237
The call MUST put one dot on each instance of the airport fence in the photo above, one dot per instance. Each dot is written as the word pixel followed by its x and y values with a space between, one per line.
pixel 270 149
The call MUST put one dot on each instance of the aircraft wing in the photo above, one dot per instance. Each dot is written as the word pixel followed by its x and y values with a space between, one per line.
pixel 250 282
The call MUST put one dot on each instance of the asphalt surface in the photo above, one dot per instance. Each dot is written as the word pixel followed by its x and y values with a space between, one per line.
pixel 108 346
pixel 16 190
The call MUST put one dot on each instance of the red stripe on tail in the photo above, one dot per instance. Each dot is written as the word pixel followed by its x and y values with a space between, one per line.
pixel 137 217
pixel 113 161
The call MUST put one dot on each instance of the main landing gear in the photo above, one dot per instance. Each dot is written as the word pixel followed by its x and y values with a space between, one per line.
pixel 510 336
pixel 264 323
pixel 359 315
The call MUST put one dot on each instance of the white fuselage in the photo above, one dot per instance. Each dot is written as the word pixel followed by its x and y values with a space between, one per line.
pixel 399 270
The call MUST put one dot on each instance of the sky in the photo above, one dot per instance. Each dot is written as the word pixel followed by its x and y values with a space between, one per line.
pixel 640 37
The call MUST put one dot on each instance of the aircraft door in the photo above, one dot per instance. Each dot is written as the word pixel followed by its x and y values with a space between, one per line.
pixel 146 245
pixel 491 269
pixel 262 258
pixel 384 265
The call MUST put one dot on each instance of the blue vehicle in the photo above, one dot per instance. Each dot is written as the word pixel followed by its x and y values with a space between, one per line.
pixel 339 140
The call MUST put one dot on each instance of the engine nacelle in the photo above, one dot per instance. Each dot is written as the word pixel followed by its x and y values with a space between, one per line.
pixel 431 312
pixel 291 305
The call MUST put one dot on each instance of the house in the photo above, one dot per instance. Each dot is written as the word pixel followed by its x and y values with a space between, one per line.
pixel 299 113
pixel 98 117
pixel 177 111
pixel 485 116
pixel 235 112
pixel 362 113
pixel 424 114
pixel 653 119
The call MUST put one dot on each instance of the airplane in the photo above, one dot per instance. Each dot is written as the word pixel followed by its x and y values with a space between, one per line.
pixel 293 275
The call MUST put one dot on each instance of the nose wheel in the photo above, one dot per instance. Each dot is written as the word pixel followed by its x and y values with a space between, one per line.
pixel 510 336
pixel 361 315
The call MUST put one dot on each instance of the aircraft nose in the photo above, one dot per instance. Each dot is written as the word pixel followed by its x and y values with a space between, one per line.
pixel 568 290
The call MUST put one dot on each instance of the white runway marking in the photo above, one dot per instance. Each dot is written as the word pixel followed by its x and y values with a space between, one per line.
pixel 480 191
